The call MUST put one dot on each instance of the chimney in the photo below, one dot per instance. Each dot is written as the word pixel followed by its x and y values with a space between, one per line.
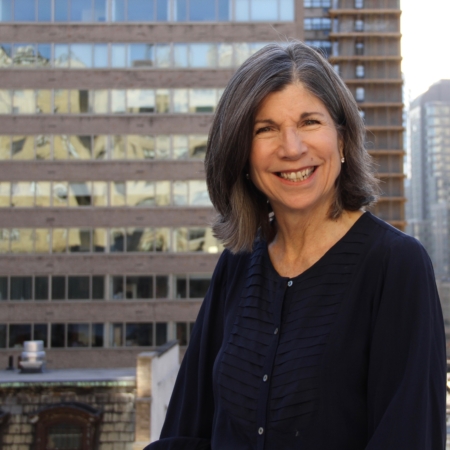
pixel 33 357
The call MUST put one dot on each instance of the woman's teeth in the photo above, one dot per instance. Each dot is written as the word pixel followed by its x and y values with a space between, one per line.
pixel 297 176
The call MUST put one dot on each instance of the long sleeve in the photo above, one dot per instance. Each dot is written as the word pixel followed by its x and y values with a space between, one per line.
pixel 407 369
pixel 190 414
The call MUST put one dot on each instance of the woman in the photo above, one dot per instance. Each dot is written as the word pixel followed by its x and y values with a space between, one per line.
pixel 322 327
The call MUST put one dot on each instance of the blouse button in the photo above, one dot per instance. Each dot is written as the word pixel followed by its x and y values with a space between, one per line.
pixel 265 378
pixel 290 283
pixel 260 430
pixel 275 331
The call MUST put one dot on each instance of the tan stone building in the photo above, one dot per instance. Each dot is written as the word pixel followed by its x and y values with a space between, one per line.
pixel 105 248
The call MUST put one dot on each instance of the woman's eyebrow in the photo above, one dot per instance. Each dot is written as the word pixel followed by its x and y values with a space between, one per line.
pixel 268 121
pixel 312 113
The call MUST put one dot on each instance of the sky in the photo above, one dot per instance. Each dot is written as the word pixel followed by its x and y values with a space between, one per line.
pixel 425 27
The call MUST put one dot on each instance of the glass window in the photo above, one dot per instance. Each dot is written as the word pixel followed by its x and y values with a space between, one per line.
pixel 117 289
pixel 117 147
pixel 162 240
pixel 4 288
pixel 5 101
pixel 22 147
pixel 2 329
pixel 180 55
pixel 80 194
pixel 41 240
pixel 5 53
pixel 61 146
pixel 61 101
pixel 139 334
pixel 78 335
pixel 180 100
pixel 359 48
pixel 40 331
pixel 202 11
pixel 180 193
pixel 198 285
pixel 180 286
pixel 162 150
pixel 24 55
pixel 196 239
pixel 139 287
pixel 117 193
pixel 140 239
pixel 22 194
pixel 162 55
pixel 118 101
pixel 118 55
pixel 242 52
pixel 162 101
pixel 61 10
pixel 181 239
pixel 197 146
pixel 81 11
pixel 202 55
pixel 100 11
pixel 79 240
pixel 359 25
pixel 60 193
pixel 162 286
pixel 161 332
pixel 80 147
pixel 141 55
pixel 57 335
pixel 5 147
pixel 44 10
pixel 99 102
pixel 5 194
pixel 202 100
pixel 79 288
pixel 41 288
pixel 24 11
pixel 59 240
pixel 140 147
pixel 22 240
pixel 4 239
pixel 98 287
pixel 21 288
pixel 140 11
pixel 58 288
pixel 162 11
pixel 118 10
pixel 43 148
pixel 359 4
pixel 62 55
pixel 79 101
pixel 360 94
pixel 181 333
pixel 264 10
pixel 242 10
pixel 117 240
pixel 224 12
pixel 287 12
pixel 198 193
pixel 359 71
pixel 43 55
pixel 162 197
pixel 44 101
pixel 140 193
pixel 140 100
pixel 5 10
pixel 116 335
pixel 100 240
pixel 100 193
pixel 97 335
pixel 225 55
pixel 100 55
pixel 100 147
pixel 180 146
pixel 180 11
pixel 24 102
pixel 18 334
pixel 80 56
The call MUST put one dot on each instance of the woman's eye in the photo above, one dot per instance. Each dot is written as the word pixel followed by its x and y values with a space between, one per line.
pixel 311 122
pixel 262 130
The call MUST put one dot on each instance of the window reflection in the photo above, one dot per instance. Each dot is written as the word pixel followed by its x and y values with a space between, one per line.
pixel 140 239
pixel 79 240
pixel 197 146
pixel 24 102
pixel 140 147
pixel 100 193
pixel 78 335
pixel 162 55
pixel 162 240
pixel 198 193
pixel 80 55
pixel 81 11
pixel 44 101
pixel 140 100
pixel 62 55
pixel 79 101
pixel 117 240
pixel 5 147
pixel 24 55
pixel 61 101
pixel 180 55
pixel 22 194
pixel 5 101
pixel 43 191
pixel 43 55
pixel 44 10
pixel 180 193
pixel 117 193
pixel 140 193
pixel 100 59
pixel 202 55
pixel 180 100
pixel 59 240
pixel 202 10
pixel 80 194
pixel 42 240
pixel 22 147
pixel 162 101
pixel 100 147
pixel 118 55
pixel 162 150
pixel 80 147
pixel 118 101
pixel 225 55
pixel 141 55
pixel 21 240
pixel 202 100
pixel 100 240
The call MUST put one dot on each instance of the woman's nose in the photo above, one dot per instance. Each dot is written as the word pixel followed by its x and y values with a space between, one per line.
pixel 293 145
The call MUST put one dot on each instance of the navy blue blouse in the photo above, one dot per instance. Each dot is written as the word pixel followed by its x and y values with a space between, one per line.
pixel 349 355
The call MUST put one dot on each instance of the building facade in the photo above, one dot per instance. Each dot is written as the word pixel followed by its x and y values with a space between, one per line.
pixel 105 106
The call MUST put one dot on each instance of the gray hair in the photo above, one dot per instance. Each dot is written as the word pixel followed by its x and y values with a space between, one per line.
pixel 243 211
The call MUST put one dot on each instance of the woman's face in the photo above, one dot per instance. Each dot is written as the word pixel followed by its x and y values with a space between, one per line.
pixel 296 151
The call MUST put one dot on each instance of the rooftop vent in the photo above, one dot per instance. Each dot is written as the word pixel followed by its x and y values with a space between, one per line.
pixel 33 357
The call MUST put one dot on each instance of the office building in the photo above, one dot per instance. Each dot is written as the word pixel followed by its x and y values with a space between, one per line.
pixel 105 108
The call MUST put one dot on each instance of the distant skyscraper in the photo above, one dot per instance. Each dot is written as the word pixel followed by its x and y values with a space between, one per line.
pixel 105 108
pixel 429 219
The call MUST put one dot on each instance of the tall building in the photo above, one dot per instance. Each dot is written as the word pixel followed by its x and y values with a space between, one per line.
pixel 106 105
pixel 430 174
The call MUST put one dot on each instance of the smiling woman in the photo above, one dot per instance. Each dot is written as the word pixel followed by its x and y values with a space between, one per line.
pixel 322 327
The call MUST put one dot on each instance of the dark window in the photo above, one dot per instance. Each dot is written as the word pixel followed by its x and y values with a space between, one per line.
pixel 61 10
pixel 140 10
pixel 359 48
pixel 4 288
pixel 78 288
pixel 57 335
pixel 21 288
pixel 58 288
pixel 117 288
pixel 182 333
pixel 18 334
pixel 97 335
pixel 78 335
pixel 139 287
pixel 198 286
pixel 139 334
pixel 44 10
pixel 161 333
pixel 65 436
pixel 40 333
pixel 41 288
pixel 180 287
pixel 162 286
pixel 2 336
pixel 98 287
pixel 24 11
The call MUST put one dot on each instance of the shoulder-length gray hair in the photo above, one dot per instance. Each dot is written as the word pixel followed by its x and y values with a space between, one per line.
pixel 242 209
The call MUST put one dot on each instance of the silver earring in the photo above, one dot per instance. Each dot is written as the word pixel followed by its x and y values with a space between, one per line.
pixel 247 176
pixel 342 160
